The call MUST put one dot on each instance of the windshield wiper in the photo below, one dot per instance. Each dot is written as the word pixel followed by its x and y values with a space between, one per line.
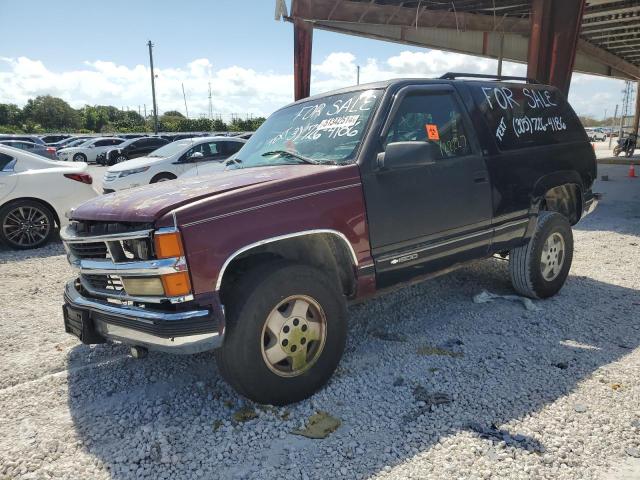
pixel 286 153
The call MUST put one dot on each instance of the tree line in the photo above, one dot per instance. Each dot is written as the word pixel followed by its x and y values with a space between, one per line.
pixel 52 114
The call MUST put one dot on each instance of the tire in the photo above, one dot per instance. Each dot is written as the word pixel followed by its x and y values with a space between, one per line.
pixel 616 151
pixel 528 276
pixel 80 157
pixel 629 153
pixel 163 177
pixel 243 358
pixel 39 217
pixel 121 158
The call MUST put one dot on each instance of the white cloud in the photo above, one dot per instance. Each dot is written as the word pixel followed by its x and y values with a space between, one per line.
pixel 241 90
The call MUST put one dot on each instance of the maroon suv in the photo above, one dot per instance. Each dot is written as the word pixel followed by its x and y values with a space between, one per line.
pixel 334 198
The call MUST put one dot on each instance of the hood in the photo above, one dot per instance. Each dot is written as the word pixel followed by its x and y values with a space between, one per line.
pixel 136 163
pixel 149 202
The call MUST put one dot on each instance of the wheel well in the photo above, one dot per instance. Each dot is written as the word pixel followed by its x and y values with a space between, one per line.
pixel 326 251
pixel 161 175
pixel 37 200
pixel 565 199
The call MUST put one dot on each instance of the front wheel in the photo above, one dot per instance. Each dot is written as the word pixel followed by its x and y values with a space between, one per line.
pixel 80 157
pixel 540 268
pixel 285 334
pixel 26 224
pixel 629 152
pixel 616 151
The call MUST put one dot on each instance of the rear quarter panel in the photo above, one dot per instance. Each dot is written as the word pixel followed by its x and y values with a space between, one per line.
pixel 520 176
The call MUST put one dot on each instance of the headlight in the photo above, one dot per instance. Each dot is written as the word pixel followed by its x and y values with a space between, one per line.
pixel 143 286
pixel 126 173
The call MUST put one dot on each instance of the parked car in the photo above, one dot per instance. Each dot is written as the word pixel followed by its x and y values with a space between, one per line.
pixel 88 150
pixel 170 161
pixel 54 137
pixel 339 197
pixel 132 148
pixel 596 135
pixel 35 148
pixel 67 142
pixel 23 138
pixel 35 194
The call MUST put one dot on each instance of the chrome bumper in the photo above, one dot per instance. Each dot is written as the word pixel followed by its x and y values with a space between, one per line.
pixel 152 329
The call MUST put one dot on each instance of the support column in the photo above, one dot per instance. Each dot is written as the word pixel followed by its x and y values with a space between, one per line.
pixel 302 43
pixel 555 28
pixel 636 117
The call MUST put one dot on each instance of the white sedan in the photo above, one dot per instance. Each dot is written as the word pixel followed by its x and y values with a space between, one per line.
pixel 170 161
pixel 89 150
pixel 35 194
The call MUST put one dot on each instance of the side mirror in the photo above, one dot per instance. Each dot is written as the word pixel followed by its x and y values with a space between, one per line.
pixel 92 145
pixel 407 154
pixel 195 156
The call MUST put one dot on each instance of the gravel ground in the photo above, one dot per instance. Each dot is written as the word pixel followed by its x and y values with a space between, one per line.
pixel 432 385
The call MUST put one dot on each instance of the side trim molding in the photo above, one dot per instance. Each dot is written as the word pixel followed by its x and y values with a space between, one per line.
pixel 246 248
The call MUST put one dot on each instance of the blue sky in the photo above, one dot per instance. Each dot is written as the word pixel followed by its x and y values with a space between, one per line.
pixel 95 53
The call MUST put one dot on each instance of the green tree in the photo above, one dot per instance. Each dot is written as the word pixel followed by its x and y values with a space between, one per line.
pixel 51 113
pixel 10 114
pixel 174 113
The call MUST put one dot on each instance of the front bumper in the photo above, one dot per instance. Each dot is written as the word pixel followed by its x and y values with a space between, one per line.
pixel 590 203
pixel 181 331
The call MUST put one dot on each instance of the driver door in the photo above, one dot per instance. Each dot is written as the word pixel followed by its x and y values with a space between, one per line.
pixel 427 214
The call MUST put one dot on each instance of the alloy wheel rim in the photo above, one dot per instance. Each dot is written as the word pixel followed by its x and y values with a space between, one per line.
pixel 293 336
pixel 121 158
pixel 26 226
pixel 552 257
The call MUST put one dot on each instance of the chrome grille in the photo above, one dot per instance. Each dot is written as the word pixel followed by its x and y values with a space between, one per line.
pixel 88 250
pixel 102 283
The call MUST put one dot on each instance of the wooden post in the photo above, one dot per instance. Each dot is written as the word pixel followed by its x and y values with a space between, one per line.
pixel 555 29
pixel 302 43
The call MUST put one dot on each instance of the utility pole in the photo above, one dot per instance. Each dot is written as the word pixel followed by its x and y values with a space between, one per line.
pixel 186 109
pixel 613 124
pixel 210 104
pixel 626 101
pixel 153 88
pixel 501 55
pixel 358 75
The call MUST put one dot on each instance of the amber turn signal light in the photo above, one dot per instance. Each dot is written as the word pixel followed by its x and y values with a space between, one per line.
pixel 168 245
pixel 176 284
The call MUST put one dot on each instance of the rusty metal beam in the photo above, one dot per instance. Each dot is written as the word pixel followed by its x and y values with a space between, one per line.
pixel 351 11
pixel 555 28
pixel 302 47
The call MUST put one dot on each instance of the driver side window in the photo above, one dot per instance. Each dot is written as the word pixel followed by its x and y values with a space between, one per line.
pixel 433 118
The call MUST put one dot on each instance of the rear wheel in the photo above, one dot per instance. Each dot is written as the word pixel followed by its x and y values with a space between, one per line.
pixel 26 224
pixel 163 177
pixel 285 334
pixel 540 268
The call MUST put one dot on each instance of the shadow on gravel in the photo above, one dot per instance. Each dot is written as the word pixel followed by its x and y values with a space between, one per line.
pixel 397 393
pixel 50 250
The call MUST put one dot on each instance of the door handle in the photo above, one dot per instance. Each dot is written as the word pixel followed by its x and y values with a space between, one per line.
pixel 480 177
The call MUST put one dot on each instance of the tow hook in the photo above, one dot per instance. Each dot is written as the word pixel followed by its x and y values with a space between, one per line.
pixel 139 352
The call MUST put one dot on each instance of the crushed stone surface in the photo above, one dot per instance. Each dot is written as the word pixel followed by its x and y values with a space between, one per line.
pixel 431 386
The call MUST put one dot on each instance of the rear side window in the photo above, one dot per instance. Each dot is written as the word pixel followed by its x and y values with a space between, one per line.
pixel 6 162
pixel 232 147
pixel 521 116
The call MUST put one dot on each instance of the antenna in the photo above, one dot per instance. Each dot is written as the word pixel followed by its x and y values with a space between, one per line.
pixel 186 109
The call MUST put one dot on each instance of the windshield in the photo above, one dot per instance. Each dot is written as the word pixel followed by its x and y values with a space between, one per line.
pixel 171 148
pixel 327 130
